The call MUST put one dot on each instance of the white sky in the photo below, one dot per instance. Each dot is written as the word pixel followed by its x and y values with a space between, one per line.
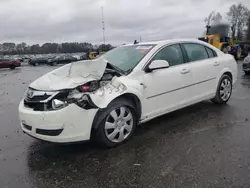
pixel 39 21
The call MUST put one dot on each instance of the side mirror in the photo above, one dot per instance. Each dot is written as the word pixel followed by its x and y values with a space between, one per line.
pixel 157 64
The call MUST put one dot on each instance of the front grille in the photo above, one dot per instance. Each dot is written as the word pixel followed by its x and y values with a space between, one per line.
pixel 36 106
pixel 37 98
pixel 42 100
pixel 49 132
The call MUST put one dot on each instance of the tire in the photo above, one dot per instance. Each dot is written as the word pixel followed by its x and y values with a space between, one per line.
pixel 12 67
pixel 35 64
pixel 225 50
pixel 237 55
pixel 53 63
pixel 223 98
pixel 109 129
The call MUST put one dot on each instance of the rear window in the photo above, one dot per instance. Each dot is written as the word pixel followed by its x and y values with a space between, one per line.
pixel 196 52
pixel 211 53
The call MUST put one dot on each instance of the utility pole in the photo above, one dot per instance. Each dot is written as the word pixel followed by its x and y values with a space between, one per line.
pixel 103 27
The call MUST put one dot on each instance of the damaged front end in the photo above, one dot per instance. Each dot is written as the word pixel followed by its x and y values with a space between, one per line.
pixel 83 84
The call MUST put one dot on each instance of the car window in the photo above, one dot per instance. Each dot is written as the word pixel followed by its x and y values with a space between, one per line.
pixel 196 52
pixel 210 52
pixel 172 54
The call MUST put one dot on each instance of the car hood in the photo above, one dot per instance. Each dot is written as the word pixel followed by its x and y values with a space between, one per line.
pixel 71 75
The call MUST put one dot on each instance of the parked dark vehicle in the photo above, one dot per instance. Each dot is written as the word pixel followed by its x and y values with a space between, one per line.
pixel 7 63
pixel 246 65
pixel 245 46
pixel 38 61
pixel 62 60
pixel 84 57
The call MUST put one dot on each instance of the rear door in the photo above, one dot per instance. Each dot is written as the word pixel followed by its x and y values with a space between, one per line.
pixel 205 67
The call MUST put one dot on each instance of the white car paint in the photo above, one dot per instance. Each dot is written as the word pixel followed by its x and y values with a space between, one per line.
pixel 71 75
pixel 159 92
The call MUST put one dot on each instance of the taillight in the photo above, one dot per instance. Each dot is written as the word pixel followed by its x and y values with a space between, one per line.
pixel 245 47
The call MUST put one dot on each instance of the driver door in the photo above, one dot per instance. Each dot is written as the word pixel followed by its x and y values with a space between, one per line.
pixel 167 89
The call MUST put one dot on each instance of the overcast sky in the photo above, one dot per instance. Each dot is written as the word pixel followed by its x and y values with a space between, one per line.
pixel 39 21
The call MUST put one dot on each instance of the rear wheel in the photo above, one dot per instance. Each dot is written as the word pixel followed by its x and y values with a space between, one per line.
pixel 237 55
pixel 224 90
pixel 117 123
pixel 12 67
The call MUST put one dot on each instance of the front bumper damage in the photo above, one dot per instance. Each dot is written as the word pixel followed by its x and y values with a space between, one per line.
pixel 72 122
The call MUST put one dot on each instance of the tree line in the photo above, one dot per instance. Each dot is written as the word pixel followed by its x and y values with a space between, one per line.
pixel 8 48
pixel 238 16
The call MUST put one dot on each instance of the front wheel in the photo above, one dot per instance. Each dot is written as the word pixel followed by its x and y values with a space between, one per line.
pixel 224 90
pixel 118 122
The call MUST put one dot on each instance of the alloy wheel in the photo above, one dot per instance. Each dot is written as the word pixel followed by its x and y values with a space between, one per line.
pixel 225 89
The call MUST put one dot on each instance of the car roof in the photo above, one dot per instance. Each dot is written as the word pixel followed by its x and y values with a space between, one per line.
pixel 169 41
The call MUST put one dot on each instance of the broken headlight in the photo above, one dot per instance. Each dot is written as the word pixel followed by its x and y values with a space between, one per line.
pixel 81 99
pixel 89 87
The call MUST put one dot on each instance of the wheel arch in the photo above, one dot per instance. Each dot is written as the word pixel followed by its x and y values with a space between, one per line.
pixel 229 74
pixel 135 100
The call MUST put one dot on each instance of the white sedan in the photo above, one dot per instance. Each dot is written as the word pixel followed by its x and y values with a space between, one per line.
pixel 106 98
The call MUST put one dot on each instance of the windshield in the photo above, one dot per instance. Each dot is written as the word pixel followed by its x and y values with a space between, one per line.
pixel 127 57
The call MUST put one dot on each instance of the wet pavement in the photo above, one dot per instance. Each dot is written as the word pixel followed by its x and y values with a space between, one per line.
pixel 204 145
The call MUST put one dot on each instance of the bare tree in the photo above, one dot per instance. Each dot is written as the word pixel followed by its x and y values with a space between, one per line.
pixel 248 29
pixel 208 20
pixel 213 18
pixel 216 18
pixel 238 16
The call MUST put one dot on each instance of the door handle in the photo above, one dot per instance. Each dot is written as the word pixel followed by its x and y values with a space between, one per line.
pixel 216 63
pixel 184 71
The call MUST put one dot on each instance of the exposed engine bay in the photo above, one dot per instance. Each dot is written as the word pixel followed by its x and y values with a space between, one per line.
pixel 82 95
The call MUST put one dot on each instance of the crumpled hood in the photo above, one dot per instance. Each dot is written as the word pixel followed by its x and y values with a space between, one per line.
pixel 71 75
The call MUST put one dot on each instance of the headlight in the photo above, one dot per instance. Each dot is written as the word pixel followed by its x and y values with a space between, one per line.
pixel 57 104
pixel 89 87
pixel 81 99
